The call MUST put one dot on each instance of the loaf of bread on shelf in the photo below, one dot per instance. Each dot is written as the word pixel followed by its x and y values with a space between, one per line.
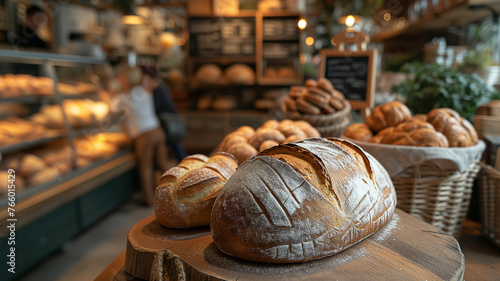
pixel 185 193
pixel 358 131
pixel 458 130
pixel 415 133
pixel 25 164
pixel 43 176
pixel 5 181
pixel 387 115
pixel 117 138
pixel 239 74
pixel 302 201
pixel 208 74
pixel 93 149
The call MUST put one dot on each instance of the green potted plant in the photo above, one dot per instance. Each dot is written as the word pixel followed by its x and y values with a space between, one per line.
pixel 436 86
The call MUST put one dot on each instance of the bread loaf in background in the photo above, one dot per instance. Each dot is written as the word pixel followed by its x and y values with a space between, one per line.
pixel 392 123
pixel 415 133
pixel 458 130
pixel 185 193
pixel 358 131
pixel 246 142
pixel 302 201
pixel 316 97
pixel 388 115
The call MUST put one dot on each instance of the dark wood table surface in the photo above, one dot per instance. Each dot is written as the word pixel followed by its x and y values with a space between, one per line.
pixel 404 248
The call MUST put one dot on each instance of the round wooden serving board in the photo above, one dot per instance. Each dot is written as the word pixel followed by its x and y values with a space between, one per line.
pixel 404 249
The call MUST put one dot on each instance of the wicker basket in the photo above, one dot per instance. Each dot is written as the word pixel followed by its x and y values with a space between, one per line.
pixel 328 125
pixel 489 198
pixel 438 196
pixel 429 185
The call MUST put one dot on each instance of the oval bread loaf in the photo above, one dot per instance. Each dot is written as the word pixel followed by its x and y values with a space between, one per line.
pixel 302 201
pixel 185 194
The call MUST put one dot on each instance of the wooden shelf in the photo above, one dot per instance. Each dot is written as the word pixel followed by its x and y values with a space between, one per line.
pixel 458 15
pixel 170 4
pixel 23 145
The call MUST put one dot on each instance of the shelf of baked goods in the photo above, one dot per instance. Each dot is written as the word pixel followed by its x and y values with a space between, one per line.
pixel 55 188
pixel 32 89
pixel 82 116
pixel 458 14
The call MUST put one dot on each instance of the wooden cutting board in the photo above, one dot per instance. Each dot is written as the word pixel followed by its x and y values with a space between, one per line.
pixel 404 249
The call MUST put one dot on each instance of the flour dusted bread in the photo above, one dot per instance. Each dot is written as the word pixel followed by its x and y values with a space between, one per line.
pixel 302 201
pixel 185 193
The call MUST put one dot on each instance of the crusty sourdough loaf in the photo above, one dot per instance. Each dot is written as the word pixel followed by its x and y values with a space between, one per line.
pixel 185 193
pixel 458 131
pixel 302 201
pixel 387 115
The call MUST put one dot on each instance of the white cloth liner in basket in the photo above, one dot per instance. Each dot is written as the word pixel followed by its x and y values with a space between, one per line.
pixel 396 158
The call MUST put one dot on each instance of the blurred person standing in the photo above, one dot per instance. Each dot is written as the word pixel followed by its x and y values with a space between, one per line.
pixel 144 127
pixel 27 33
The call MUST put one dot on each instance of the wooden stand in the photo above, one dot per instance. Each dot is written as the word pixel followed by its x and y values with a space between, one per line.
pixel 404 249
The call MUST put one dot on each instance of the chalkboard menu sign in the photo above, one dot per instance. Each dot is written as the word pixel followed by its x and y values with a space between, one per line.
pixel 352 73
pixel 222 36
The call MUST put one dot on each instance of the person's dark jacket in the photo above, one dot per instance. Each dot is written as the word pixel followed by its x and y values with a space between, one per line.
pixel 27 37
pixel 163 101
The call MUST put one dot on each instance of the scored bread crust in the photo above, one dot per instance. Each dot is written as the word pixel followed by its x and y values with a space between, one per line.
pixel 302 201
pixel 185 193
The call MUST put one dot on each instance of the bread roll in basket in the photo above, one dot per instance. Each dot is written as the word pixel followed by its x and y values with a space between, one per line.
pixel 302 201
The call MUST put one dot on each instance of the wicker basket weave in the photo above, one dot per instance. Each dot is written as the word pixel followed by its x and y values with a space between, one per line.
pixel 438 196
pixel 489 198
pixel 328 125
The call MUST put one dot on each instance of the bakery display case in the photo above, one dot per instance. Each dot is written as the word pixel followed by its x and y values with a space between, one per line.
pixel 62 142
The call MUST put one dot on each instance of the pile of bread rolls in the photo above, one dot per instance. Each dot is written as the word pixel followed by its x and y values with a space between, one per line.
pixel 316 97
pixel 14 129
pixel 80 113
pixel 246 142
pixel 94 147
pixel 56 159
pixel 393 123
pixel 16 85
pixel 237 74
